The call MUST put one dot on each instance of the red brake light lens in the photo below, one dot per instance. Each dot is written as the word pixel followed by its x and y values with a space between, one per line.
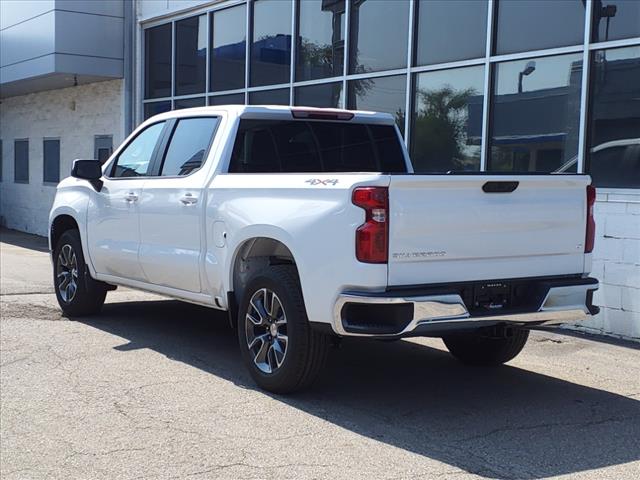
pixel 372 237
pixel 590 236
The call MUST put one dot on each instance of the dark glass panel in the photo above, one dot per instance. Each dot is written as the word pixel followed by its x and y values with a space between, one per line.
pixel 615 19
pixel 154 108
pixel 270 97
pixel 535 25
pixel 382 94
pixel 378 35
pixel 228 50
pixel 188 146
pixel 450 31
pixel 21 161
pixel 328 95
pixel 447 121
pixel 320 39
pixel 535 114
pixel 157 67
pixel 51 160
pixel 233 99
pixel 613 159
pixel 268 146
pixel 271 47
pixel 191 55
pixel 188 103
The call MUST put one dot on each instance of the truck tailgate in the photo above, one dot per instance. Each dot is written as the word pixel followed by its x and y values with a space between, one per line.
pixel 447 228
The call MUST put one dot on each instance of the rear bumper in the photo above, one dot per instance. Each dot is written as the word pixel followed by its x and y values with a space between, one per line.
pixel 404 314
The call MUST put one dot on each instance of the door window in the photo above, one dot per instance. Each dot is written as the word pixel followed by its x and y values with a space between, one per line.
pixel 134 160
pixel 188 147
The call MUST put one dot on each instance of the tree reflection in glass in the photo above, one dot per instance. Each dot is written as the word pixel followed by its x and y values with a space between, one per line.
pixel 447 122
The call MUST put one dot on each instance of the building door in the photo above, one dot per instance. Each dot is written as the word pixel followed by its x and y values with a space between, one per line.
pixel 113 231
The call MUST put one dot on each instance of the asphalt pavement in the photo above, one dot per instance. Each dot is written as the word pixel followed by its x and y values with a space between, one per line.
pixel 154 388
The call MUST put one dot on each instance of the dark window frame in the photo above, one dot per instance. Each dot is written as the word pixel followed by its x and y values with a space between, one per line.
pixel 44 160
pixel 15 161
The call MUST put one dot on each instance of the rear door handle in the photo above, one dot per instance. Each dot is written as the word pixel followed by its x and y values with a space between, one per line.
pixel 131 197
pixel 188 199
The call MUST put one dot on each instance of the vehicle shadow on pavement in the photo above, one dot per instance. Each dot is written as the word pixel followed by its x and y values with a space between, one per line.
pixel 505 422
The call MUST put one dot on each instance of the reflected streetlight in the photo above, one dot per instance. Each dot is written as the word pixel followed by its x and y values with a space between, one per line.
pixel 528 70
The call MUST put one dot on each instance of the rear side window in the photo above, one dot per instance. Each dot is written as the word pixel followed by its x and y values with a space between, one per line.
pixel 188 146
pixel 297 146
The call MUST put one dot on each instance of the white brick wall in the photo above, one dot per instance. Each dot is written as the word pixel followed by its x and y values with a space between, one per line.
pixel 616 263
pixel 75 115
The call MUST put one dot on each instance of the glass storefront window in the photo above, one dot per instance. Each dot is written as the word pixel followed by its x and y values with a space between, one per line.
pixel 613 156
pixel 279 96
pixel 535 114
pixel 157 66
pixel 382 94
pixel 327 95
pixel 450 31
pixel 228 48
pixel 320 47
pixel 615 19
pixel 154 108
pixel 271 42
pixel 191 55
pixel 536 25
pixel 233 99
pixel 447 121
pixel 188 103
pixel 375 39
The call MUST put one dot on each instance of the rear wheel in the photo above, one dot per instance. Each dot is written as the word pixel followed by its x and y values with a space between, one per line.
pixel 479 348
pixel 78 294
pixel 281 351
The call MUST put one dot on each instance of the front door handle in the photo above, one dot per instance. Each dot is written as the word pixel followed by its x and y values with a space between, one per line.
pixel 188 199
pixel 131 197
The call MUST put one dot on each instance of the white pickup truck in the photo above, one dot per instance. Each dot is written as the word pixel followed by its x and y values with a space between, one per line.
pixel 309 224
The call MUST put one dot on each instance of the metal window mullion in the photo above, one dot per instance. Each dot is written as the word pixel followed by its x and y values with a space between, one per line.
pixel 410 44
pixel 173 61
pixel 448 65
pixel 584 88
pixel 625 42
pixel 486 105
pixel 347 54
pixel 247 49
pixel 294 42
pixel 207 56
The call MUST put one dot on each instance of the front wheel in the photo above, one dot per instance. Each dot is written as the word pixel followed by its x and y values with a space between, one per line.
pixel 278 346
pixel 477 348
pixel 78 294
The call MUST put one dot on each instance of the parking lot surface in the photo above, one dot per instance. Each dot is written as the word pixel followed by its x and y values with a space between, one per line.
pixel 154 388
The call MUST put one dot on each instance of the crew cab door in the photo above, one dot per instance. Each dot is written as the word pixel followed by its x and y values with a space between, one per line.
pixel 172 206
pixel 112 226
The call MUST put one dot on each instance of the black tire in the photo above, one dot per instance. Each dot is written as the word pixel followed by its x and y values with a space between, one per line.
pixel 306 349
pixel 89 294
pixel 479 349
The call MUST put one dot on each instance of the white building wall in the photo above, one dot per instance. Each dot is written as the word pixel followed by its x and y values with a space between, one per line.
pixel 75 115
pixel 617 265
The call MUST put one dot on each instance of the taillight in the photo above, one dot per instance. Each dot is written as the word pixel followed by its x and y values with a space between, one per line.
pixel 372 237
pixel 591 223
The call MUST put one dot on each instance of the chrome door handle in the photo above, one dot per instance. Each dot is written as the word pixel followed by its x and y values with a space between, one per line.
pixel 131 197
pixel 188 199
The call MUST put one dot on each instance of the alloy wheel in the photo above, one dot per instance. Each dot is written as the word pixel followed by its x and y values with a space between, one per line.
pixel 67 273
pixel 266 330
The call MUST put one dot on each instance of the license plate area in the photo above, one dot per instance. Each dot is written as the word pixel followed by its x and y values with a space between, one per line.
pixel 492 296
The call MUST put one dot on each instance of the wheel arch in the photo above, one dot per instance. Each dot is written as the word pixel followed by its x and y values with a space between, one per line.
pixel 251 255
pixel 60 224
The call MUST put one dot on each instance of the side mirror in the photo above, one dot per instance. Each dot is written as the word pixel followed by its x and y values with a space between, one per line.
pixel 88 170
